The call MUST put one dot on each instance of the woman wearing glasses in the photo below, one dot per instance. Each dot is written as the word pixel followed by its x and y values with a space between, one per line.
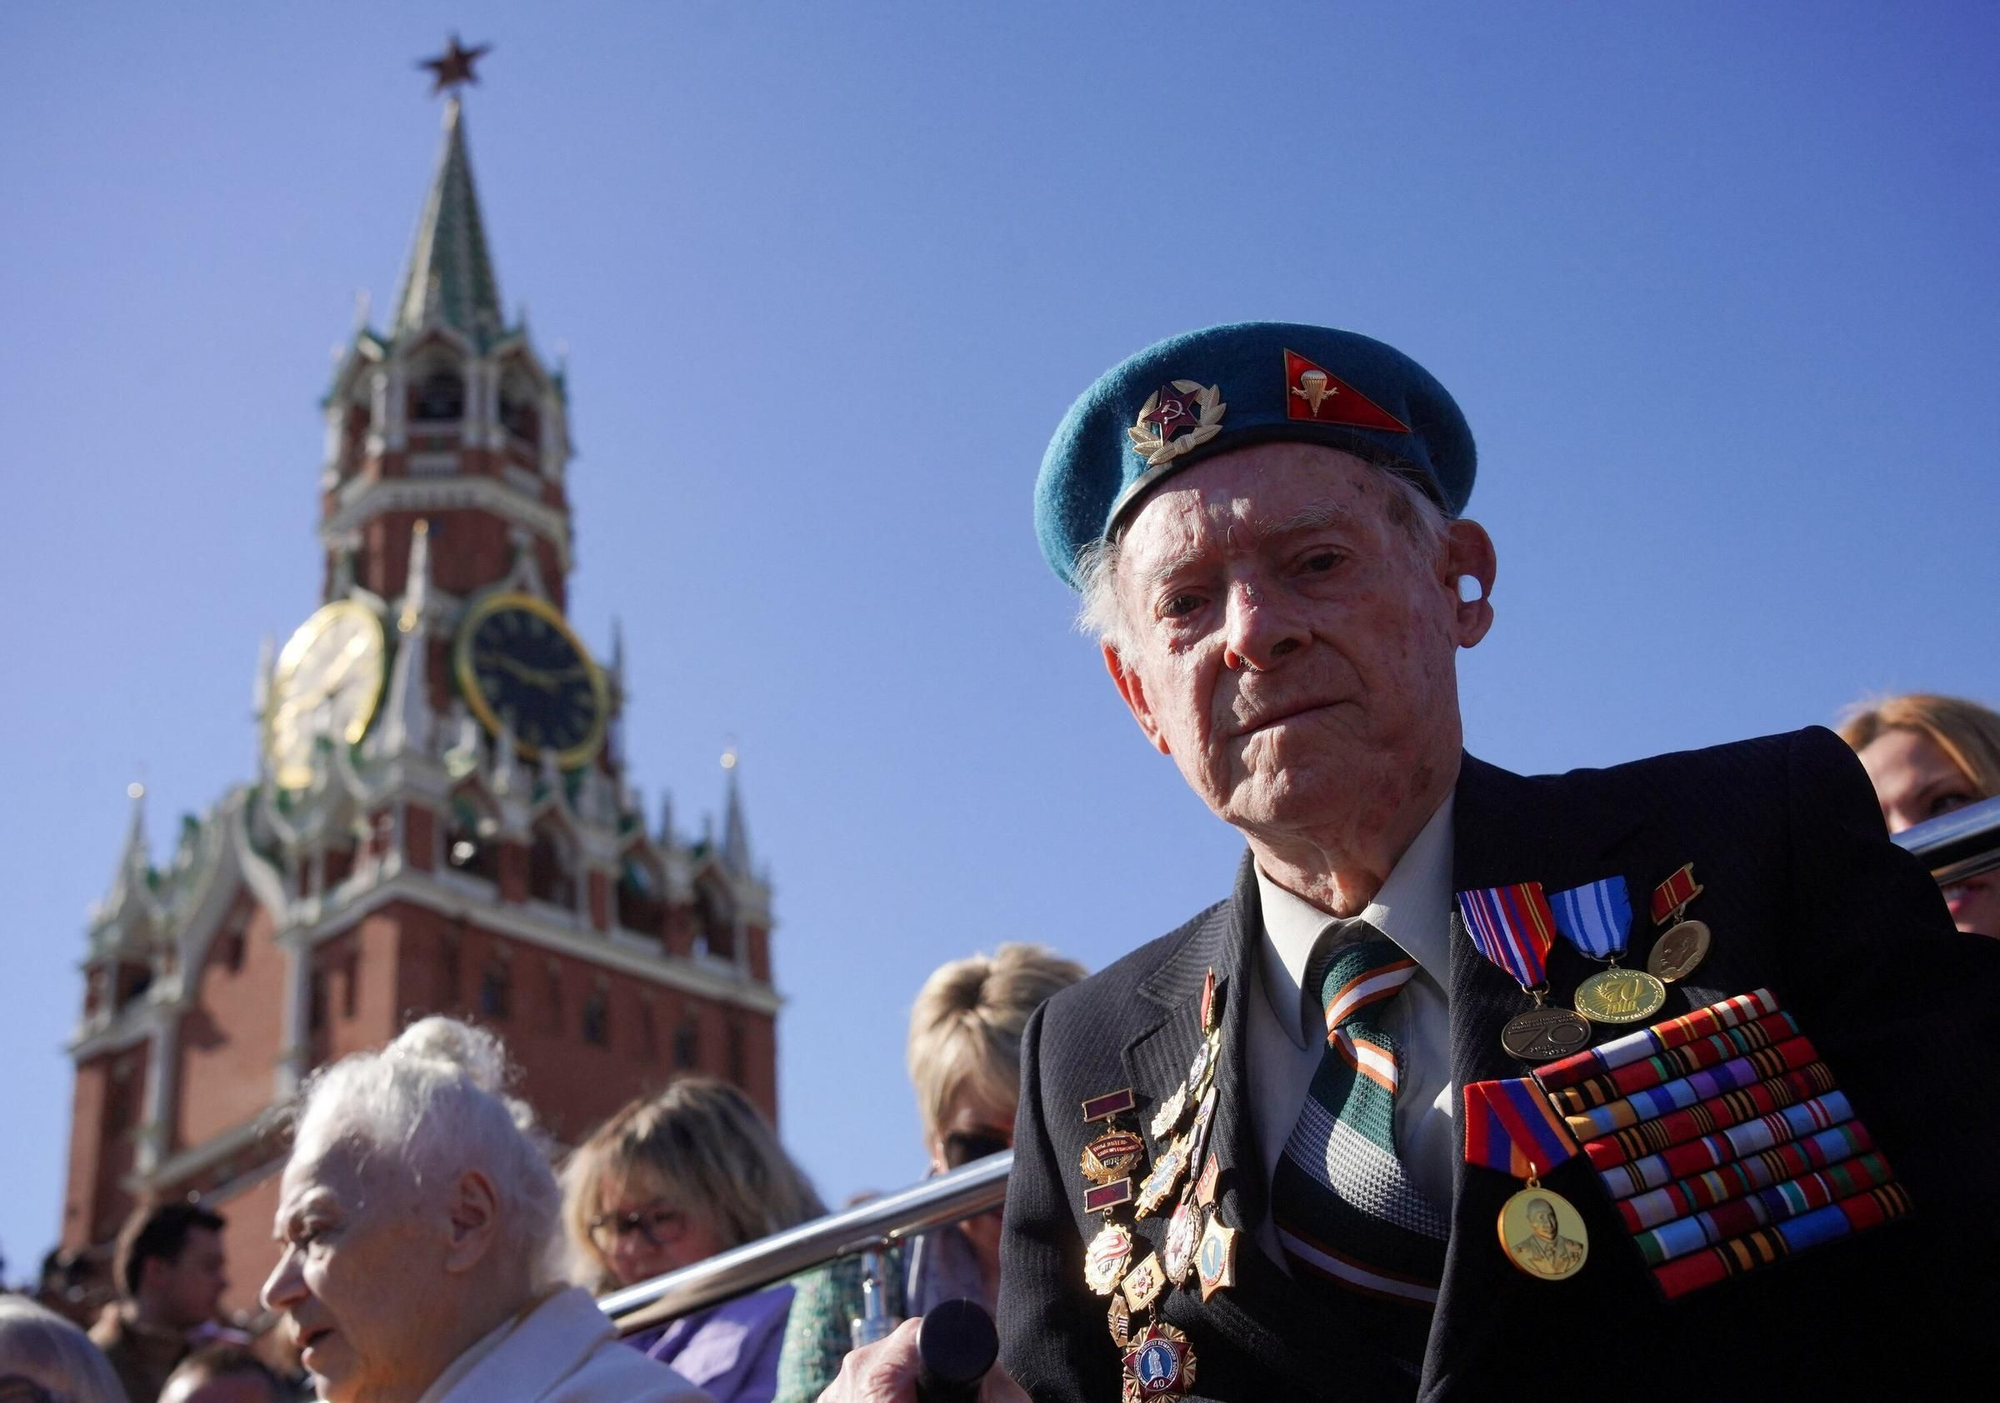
pixel 965 1062
pixel 671 1180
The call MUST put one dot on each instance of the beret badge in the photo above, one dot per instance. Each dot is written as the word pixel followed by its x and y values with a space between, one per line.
pixel 1179 416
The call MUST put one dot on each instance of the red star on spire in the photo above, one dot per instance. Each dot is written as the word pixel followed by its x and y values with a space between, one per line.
pixel 454 65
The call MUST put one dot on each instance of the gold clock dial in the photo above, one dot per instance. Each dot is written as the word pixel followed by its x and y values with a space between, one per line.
pixel 329 679
pixel 521 667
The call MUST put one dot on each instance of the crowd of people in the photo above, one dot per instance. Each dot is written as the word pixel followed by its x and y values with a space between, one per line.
pixel 1279 580
pixel 433 1245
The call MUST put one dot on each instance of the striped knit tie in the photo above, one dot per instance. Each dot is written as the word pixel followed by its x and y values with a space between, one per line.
pixel 1345 1211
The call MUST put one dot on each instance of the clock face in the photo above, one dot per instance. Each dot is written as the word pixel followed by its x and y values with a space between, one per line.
pixel 520 666
pixel 328 680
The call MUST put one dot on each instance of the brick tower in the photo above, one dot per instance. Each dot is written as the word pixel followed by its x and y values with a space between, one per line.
pixel 440 822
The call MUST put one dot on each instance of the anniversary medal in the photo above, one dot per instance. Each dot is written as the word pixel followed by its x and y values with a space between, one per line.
pixel 1215 1259
pixel 1104 1260
pixel 1109 1162
pixel 1511 1126
pixel 1513 927
pixel 1596 918
pixel 1161 1362
pixel 1676 953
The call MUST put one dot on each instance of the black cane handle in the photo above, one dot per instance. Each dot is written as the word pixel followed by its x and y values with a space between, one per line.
pixel 956 1344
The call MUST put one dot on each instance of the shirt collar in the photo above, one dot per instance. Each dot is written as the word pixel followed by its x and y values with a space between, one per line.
pixel 1413 909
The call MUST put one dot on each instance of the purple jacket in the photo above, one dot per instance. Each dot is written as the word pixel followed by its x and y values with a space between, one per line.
pixel 731 1349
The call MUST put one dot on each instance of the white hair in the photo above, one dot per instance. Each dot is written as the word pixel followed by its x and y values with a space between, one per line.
pixel 42 1347
pixel 1101 616
pixel 435 1102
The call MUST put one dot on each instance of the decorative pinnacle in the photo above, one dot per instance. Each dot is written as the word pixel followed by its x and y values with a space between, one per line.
pixel 453 67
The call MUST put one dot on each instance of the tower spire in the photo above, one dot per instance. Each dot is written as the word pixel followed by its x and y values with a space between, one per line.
pixel 450 272
pixel 735 834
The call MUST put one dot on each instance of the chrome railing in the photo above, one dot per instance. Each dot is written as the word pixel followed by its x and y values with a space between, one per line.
pixel 878 1223
pixel 1960 844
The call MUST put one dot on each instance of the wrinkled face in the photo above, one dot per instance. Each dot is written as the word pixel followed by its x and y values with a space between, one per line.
pixel 191 1285
pixel 1916 780
pixel 361 1280
pixel 1288 642
pixel 640 1234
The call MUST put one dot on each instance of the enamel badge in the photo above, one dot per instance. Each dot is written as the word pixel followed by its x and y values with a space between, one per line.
pixel 1317 396
pixel 1178 416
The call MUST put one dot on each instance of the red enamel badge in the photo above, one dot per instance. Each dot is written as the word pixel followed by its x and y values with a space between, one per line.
pixel 1316 395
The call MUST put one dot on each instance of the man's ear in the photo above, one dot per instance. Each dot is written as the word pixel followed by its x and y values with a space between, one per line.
pixel 1133 690
pixel 474 1210
pixel 1468 553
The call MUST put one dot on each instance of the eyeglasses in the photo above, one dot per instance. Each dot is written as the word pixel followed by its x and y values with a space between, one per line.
pixel 661 1227
pixel 962 1147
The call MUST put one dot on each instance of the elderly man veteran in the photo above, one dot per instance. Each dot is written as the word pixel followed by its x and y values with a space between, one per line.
pixel 1283 1151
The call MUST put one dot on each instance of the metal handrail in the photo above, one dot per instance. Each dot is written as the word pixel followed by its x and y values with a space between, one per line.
pixel 1957 845
pixel 880 1222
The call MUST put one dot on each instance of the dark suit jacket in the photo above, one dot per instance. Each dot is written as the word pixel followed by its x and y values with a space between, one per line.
pixel 1805 895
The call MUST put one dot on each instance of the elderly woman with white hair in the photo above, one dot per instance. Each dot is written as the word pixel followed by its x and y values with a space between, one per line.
pixel 46 1359
pixel 421 1253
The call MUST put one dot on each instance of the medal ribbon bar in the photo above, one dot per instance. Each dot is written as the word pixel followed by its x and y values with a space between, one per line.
pixel 1676 1062
pixel 1718 1113
pixel 1661 1037
pixel 1775 1204
pixel 1674 893
pixel 1767 1245
pixel 1657 1101
pixel 1743 1176
pixel 1714 1151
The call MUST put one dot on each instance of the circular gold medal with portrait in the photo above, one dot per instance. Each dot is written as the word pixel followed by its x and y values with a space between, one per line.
pixel 1542 1233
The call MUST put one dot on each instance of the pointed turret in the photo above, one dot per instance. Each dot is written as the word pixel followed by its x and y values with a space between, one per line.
pixel 407 720
pixel 450 278
pixel 735 836
pixel 133 879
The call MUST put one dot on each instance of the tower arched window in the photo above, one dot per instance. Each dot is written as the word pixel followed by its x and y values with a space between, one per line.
pixel 641 895
pixel 551 871
pixel 471 839
pixel 438 396
pixel 520 407
pixel 715 921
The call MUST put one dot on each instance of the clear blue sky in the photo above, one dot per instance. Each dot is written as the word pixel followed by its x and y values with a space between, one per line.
pixel 1715 285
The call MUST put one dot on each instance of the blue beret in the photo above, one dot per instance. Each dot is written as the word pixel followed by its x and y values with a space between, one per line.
pixel 1207 392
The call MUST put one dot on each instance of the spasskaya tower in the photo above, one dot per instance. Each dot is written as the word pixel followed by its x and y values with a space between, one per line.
pixel 440 822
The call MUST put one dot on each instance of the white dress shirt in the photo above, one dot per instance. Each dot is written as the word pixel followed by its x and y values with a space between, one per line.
pixel 1287 1031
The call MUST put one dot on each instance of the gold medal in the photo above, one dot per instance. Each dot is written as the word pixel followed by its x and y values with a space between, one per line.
pixel 1104 1260
pixel 1119 1318
pixel 1676 953
pixel 1543 1034
pixel 1620 996
pixel 1170 1112
pixel 1112 1156
pixel 1159 1185
pixel 1142 1284
pixel 1542 1233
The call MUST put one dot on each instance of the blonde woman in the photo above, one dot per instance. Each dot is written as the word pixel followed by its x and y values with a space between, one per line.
pixel 676 1178
pixel 1928 755
pixel 964 1057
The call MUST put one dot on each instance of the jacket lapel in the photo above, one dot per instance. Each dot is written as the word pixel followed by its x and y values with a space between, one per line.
pixel 1506 829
